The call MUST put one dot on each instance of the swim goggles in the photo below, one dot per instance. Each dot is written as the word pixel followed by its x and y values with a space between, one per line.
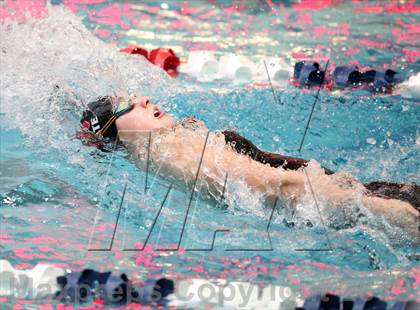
pixel 124 106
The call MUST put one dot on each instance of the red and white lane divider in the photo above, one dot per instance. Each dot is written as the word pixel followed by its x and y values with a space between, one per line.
pixel 162 57
pixel 206 67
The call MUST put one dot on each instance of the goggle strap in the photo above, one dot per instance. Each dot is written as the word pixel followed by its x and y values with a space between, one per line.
pixel 107 124
pixel 114 117
pixel 119 113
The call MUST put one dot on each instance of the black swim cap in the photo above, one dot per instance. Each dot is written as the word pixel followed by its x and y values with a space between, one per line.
pixel 97 115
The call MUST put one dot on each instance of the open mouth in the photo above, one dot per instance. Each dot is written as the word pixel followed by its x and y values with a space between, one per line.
pixel 158 113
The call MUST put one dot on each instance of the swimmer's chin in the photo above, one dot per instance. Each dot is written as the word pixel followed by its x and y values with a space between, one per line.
pixel 165 121
pixel 169 121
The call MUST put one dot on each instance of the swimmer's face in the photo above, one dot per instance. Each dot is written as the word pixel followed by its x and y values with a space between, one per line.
pixel 144 117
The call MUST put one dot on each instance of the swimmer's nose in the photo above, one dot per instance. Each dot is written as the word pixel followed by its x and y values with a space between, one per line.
pixel 143 102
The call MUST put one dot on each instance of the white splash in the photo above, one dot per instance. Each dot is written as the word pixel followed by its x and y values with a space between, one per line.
pixel 58 50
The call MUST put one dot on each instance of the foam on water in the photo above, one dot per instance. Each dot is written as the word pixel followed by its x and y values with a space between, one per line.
pixel 59 50
pixel 39 55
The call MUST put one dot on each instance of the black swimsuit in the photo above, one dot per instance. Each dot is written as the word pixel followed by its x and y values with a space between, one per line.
pixel 405 192
pixel 246 147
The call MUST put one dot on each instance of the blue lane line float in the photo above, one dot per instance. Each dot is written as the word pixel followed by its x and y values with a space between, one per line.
pixel 333 302
pixel 113 288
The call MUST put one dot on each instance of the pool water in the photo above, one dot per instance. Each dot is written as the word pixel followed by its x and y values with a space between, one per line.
pixel 60 199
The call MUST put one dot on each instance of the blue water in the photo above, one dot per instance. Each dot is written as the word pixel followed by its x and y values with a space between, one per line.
pixel 58 193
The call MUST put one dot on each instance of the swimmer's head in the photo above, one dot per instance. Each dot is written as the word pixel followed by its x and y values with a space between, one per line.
pixel 117 117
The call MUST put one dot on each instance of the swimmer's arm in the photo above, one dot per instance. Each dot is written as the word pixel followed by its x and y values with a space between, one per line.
pixel 274 182
pixel 396 212
pixel 271 181
pixel 183 158
pixel 290 185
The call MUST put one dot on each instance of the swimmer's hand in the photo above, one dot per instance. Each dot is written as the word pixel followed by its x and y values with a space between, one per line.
pixel 396 212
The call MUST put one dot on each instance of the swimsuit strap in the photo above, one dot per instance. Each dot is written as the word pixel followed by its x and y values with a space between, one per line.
pixel 246 147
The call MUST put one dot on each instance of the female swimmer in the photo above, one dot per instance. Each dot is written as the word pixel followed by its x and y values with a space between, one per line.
pixel 179 148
